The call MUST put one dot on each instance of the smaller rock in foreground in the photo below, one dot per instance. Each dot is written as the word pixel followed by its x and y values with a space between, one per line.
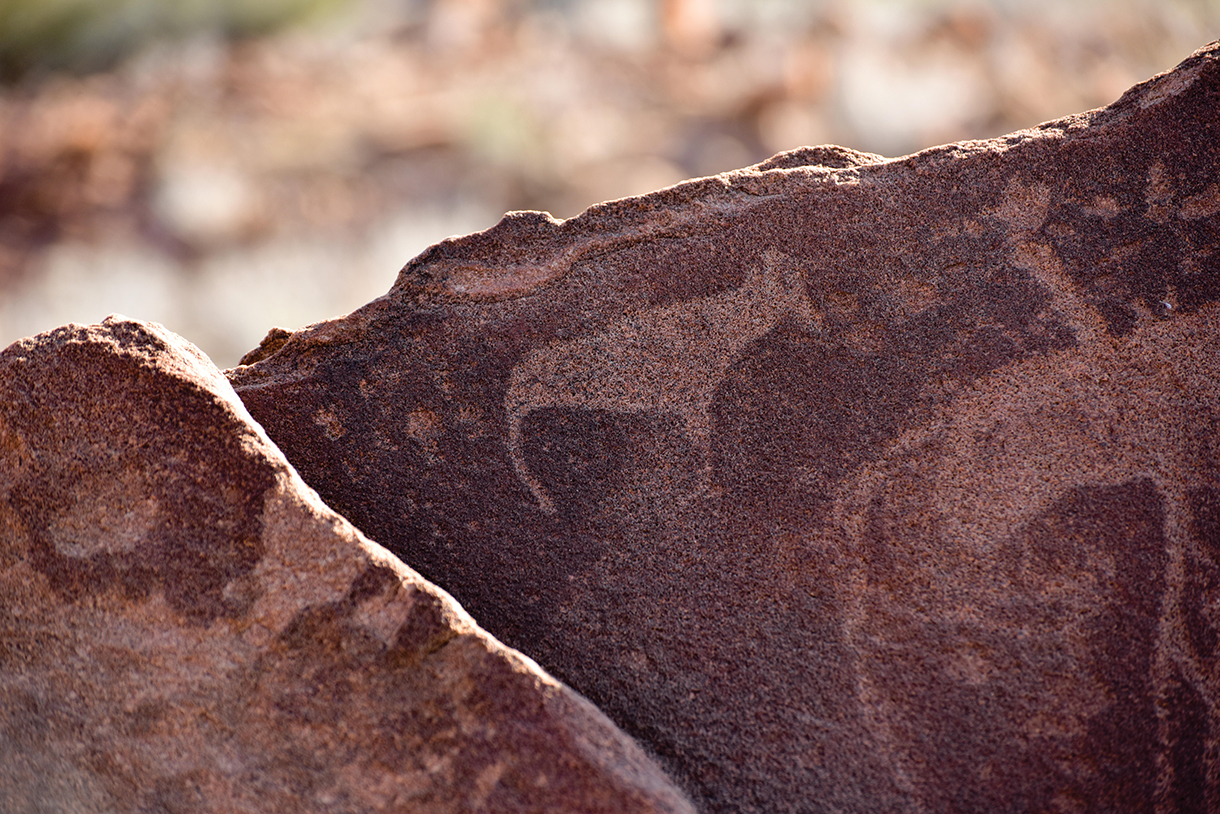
pixel 186 627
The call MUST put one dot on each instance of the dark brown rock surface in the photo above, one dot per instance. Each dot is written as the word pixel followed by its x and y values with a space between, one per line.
pixel 185 627
pixel 844 483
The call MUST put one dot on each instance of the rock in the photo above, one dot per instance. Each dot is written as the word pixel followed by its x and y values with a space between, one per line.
pixel 186 627
pixel 843 483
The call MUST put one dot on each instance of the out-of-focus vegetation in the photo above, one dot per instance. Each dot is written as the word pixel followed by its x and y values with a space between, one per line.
pixel 40 36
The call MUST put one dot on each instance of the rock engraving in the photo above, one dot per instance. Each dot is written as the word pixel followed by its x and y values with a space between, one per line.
pixel 922 516
pixel 664 360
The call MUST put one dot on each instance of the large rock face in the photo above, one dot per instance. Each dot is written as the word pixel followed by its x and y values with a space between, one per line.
pixel 185 627
pixel 845 484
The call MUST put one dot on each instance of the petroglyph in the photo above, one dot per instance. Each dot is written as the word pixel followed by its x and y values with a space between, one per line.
pixel 665 360
pixel 1123 437
pixel 957 550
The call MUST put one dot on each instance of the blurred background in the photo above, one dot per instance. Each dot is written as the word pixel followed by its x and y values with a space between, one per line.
pixel 222 166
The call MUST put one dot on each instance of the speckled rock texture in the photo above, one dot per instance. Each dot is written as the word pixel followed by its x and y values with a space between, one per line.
pixel 185 627
pixel 843 483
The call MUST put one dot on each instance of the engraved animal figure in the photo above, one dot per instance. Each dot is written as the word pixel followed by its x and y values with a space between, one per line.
pixel 666 360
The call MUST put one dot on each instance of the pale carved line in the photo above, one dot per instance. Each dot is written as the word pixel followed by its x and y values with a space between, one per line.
pixel 663 360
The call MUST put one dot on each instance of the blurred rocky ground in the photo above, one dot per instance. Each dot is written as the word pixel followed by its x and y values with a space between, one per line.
pixel 222 179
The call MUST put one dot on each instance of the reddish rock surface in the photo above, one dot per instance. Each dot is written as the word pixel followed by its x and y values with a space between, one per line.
pixel 185 626
pixel 843 483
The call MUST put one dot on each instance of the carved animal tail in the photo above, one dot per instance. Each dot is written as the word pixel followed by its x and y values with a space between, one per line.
pixel 782 283
pixel 517 454
pixel 802 308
